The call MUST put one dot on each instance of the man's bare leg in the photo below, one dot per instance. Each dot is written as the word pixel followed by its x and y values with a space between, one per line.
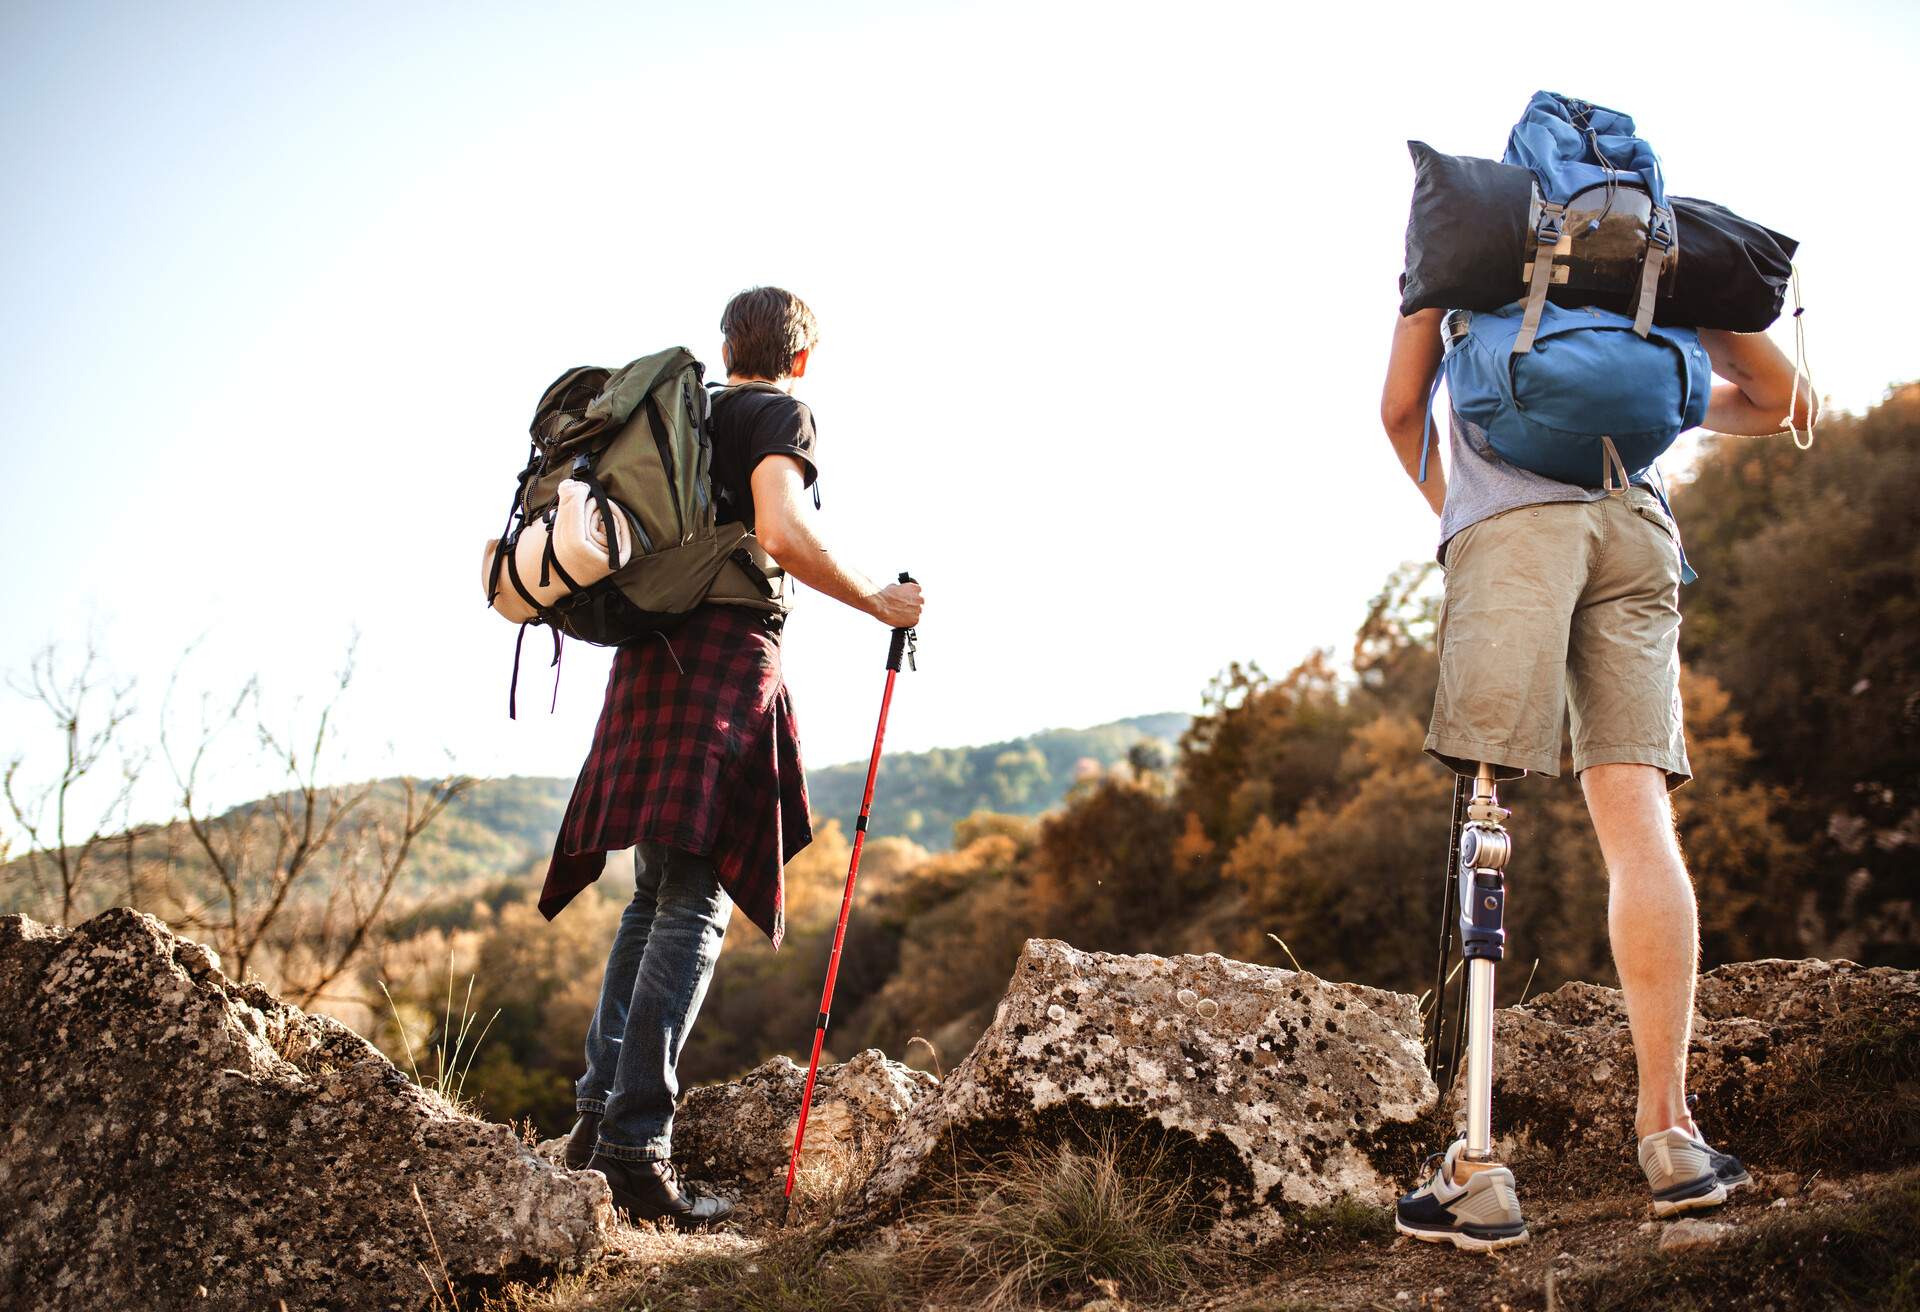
pixel 1655 928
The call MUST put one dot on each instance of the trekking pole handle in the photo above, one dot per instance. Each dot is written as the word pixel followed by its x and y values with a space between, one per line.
pixel 903 639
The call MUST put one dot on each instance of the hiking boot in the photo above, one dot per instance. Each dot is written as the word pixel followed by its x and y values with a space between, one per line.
pixel 1479 1214
pixel 580 1141
pixel 1685 1174
pixel 648 1191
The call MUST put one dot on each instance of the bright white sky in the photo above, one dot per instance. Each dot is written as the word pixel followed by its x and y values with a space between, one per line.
pixel 1105 291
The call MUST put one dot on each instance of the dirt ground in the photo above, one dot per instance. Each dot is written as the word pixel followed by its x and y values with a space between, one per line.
pixel 1585 1251
pixel 1589 1252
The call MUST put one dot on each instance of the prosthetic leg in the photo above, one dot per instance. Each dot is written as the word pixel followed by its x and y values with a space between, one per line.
pixel 1470 1201
pixel 1484 848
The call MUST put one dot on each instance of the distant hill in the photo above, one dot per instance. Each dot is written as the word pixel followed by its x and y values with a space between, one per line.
pixel 502 825
pixel 921 794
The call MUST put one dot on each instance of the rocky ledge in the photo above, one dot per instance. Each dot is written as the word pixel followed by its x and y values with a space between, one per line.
pixel 171 1139
pixel 1274 1089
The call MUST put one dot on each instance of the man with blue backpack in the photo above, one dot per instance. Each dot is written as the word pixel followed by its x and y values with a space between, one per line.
pixel 1578 314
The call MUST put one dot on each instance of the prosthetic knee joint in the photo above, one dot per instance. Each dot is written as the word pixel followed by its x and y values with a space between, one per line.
pixel 1484 849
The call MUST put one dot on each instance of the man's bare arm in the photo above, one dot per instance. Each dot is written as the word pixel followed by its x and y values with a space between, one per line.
pixel 1753 400
pixel 784 523
pixel 1404 401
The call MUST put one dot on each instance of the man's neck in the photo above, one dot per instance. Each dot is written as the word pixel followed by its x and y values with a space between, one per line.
pixel 784 384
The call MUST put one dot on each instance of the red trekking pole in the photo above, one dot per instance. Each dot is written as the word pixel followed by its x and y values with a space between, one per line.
pixel 902 645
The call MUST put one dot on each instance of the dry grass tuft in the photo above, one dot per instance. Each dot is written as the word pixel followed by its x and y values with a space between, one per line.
pixel 1059 1220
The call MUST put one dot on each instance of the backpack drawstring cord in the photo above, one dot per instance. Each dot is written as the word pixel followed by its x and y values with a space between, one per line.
pixel 1800 365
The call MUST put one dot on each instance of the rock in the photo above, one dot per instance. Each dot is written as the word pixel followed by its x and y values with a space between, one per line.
pixel 738 1135
pixel 1290 1092
pixel 1761 1027
pixel 1690 1232
pixel 165 1131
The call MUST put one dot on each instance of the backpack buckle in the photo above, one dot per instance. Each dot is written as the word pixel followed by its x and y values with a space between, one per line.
pixel 1660 230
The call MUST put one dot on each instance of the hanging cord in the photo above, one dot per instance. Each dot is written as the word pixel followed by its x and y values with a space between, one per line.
pixel 1612 177
pixel 1438 1067
pixel 1800 365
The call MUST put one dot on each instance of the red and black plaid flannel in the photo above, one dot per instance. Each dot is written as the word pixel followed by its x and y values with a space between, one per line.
pixel 696 749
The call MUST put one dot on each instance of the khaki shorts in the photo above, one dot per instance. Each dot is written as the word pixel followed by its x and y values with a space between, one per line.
pixel 1571 603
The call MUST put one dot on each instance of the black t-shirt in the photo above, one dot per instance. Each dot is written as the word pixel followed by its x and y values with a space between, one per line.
pixel 750 422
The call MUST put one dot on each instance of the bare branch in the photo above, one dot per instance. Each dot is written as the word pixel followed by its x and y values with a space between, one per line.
pixel 89 712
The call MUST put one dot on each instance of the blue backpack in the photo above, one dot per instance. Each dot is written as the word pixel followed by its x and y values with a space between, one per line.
pixel 1582 393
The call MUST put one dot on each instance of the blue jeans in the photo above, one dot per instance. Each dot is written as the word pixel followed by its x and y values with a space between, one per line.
pixel 657 974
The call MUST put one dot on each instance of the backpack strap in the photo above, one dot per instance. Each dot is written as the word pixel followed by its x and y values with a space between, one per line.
pixel 520 584
pixel 663 443
pixel 514 510
pixel 1546 239
pixel 513 685
pixel 1661 239
pixel 597 493
pixel 1456 324
pixel 1426 432
pixel 1612 466
pixel 550 560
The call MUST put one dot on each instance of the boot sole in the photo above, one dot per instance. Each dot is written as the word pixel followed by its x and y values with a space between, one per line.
pixel 1460 1239
pixel 1701 1202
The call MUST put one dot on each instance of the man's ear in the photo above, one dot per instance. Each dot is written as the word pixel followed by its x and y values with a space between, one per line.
pixel 726 356
pixel 799 369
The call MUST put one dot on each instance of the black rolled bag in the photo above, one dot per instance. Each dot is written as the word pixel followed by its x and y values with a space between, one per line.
pixel 1470 238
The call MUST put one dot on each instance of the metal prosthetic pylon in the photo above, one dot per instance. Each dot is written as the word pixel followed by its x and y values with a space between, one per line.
pixel 1484 849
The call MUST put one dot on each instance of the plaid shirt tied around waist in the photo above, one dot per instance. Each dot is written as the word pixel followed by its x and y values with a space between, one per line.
pixel 696 749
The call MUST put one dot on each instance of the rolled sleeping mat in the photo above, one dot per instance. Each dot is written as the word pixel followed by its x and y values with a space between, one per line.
pixel 1470 238
pixel 579 544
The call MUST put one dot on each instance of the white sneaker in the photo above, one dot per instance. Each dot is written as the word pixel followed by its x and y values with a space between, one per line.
pixel 1480 1215
pixel 1683 1173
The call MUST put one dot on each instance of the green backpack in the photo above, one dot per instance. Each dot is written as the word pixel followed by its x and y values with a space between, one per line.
pixel 638 438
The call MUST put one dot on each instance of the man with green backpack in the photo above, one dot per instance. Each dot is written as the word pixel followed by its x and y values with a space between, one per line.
pixel 1570 369
pixel 700 509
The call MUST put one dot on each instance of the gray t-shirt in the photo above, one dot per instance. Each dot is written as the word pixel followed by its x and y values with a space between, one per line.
pixel 1481 485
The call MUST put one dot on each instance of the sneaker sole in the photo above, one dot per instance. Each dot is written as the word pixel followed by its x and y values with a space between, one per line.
pixel 1700 1202
pixel 1460 1239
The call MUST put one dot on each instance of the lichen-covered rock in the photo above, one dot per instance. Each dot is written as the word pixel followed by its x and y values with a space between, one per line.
pixel 169 1139
pixel 738 1135
pixel 1278 1090
pixel 1797 1064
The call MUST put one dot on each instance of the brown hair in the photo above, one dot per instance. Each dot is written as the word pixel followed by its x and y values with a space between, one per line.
pixel 765 328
